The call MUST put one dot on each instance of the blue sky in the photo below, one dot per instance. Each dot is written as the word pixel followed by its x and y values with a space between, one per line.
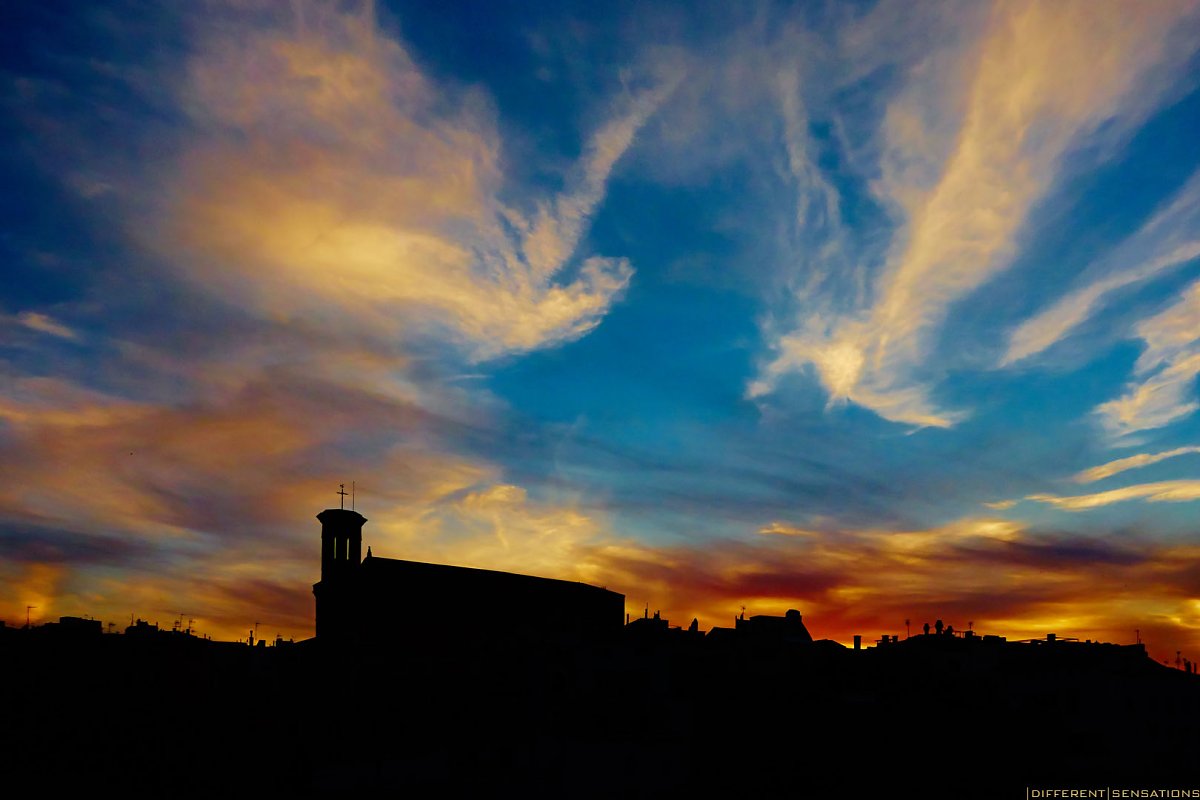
pixel 879 310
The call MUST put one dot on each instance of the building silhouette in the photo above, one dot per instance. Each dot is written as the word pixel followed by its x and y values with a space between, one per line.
pixel 377 600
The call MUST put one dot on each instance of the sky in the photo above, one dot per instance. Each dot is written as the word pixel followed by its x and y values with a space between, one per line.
pixel 882 311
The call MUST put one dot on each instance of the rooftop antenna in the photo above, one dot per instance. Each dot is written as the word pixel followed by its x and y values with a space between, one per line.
pixel 27 610
pixel 342 492
pixel 352 500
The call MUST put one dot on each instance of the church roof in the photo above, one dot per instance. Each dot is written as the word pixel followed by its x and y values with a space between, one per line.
pixel 393 568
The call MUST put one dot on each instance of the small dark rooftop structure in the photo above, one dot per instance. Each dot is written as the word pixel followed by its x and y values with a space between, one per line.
pixel 787 629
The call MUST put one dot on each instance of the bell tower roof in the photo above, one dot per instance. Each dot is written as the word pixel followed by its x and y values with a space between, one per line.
pixel 341 516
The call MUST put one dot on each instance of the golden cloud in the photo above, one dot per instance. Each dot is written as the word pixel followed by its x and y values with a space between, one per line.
pixel 329 179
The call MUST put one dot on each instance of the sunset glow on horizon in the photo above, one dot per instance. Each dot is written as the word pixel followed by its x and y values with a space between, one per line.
pixel 883 311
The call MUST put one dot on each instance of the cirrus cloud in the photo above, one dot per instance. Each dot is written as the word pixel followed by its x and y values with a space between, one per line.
pixel 1131 462
pixel 1042 79
pixel 1163 387
pixel 330 178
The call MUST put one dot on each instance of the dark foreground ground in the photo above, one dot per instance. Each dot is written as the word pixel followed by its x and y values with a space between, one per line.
pixel 930 717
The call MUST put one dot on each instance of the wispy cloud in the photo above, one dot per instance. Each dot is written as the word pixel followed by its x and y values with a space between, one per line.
pixel 1160 492
pixel 44 323
pixel 1131 462
pixel 1167 241
pixel 498 525
pixel 1043 76
pixel 330 178
pixel 818 206
pixel 784 529
pixel 1164 376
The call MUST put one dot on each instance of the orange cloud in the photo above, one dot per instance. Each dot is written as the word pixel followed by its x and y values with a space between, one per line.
pixel 994 573
pixel 330 179
pixel 218 489
pixel 36 585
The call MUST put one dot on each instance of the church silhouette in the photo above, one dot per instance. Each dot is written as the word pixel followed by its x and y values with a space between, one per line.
pixel 369 600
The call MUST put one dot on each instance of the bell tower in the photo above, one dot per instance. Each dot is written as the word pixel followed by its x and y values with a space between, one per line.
pixel 341 553
pixel 341 542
